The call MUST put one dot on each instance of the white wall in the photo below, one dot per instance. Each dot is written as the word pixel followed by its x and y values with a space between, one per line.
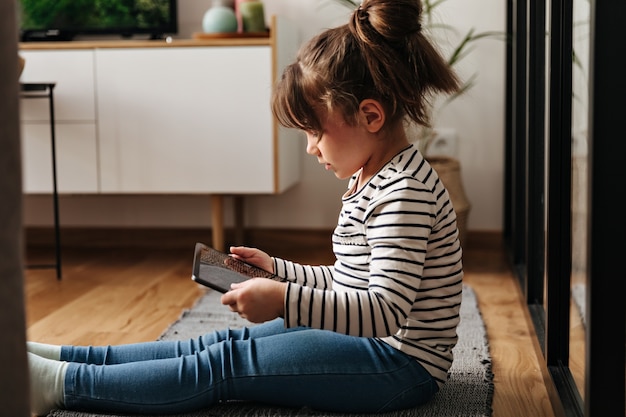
pixel 478 119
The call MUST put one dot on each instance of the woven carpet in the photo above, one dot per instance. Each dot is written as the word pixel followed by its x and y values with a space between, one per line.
pixel 468 392
pixel 579 297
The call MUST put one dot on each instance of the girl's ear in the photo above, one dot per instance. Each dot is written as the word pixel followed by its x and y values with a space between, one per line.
pixel 372 114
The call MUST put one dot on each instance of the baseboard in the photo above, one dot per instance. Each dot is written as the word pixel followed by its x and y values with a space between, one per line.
pixel 88 237
pixel 484 239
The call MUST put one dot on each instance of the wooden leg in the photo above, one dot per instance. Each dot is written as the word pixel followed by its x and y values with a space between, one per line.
pixel 239 222
pixel 217 221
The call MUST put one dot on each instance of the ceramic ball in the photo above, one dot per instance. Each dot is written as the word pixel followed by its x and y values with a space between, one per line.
pixel 219 19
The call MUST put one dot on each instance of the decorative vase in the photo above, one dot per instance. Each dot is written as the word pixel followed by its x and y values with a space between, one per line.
pixel 238 14
pixel 250 16
pixel 449 171
pixel 219 19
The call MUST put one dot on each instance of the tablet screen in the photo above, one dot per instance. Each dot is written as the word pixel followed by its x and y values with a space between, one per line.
pixel 218 270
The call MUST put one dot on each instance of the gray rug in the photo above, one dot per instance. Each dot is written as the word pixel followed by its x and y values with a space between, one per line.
pixel 579 297
pixel 468 392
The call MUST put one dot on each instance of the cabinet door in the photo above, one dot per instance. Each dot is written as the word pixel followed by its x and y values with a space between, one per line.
pixel 185 120
pixel 73 73
pixel 76 156
pixel 75 126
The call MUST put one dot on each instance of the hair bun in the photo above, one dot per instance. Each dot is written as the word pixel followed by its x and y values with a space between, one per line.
pixel 393 20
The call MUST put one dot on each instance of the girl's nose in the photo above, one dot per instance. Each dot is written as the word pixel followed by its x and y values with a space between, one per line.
pixel 311 144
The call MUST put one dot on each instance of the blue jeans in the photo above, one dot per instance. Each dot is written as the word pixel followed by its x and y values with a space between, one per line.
pixel 265 363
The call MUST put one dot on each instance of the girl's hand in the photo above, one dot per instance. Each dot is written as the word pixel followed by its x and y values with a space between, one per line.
pixel 253 256
pixel 257 300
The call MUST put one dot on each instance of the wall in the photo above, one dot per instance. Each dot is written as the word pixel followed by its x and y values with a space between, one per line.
pixel 478 119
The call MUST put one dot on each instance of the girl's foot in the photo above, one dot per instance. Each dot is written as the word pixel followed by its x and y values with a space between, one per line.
pixel 45 351
pixel 47 379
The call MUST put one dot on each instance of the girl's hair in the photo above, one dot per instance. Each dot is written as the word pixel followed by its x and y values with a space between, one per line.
pixel 380 54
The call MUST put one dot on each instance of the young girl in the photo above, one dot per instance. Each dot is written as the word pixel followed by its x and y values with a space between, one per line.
pixel 372 333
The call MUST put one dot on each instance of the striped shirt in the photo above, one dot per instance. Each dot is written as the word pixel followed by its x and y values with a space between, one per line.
pixel 398 271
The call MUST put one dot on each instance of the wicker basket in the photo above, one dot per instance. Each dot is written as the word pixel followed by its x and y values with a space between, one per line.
pixel 449 170
pixel 21 62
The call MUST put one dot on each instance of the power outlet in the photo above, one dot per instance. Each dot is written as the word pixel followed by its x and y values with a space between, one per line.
pixel 445 142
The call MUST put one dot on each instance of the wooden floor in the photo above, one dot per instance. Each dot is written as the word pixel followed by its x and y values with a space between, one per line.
pixel 129 286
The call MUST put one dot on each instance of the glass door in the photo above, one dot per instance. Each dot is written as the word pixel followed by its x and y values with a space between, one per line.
pixel 565 176
pixel 580 195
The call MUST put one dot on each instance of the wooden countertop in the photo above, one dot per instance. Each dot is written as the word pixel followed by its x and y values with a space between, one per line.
pixel 161 43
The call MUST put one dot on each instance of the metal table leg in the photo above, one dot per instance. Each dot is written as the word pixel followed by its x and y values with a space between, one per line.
pixel 45 90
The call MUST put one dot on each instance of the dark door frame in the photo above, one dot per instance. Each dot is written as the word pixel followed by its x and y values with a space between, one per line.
pixel 537 219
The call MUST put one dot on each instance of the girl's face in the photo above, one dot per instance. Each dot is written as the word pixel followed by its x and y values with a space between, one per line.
pixel 340 147
pixel 344 149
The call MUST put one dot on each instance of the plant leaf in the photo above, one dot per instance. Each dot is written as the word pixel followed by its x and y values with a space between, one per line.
pixel 352 4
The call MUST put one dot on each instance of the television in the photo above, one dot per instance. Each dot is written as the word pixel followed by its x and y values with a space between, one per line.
pixel 62 20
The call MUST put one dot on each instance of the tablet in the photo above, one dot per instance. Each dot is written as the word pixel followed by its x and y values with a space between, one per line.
pixel 218 270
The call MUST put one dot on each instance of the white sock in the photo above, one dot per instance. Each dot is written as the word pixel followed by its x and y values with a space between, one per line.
pixel 47 380
pixel 44 350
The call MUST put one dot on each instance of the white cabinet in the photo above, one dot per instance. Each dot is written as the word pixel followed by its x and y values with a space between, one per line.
pixel 149 117
pixel 75 123
pixel 134 117
pixel 186 120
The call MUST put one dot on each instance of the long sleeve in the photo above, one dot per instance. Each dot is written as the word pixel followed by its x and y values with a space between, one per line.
pixel 305 275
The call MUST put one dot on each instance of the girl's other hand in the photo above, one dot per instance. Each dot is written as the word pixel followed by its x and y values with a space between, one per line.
pixel 257 300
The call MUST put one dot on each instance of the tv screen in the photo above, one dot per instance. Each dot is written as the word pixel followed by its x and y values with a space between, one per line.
pixel 65 19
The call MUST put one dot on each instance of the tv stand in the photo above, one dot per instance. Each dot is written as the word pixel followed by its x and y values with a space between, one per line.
pixel 157 36
pixel 46 36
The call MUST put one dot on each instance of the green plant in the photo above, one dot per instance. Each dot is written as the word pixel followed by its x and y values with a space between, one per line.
pixel 440 33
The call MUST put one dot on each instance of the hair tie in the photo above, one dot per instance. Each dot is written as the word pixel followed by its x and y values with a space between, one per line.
pixel 362 13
